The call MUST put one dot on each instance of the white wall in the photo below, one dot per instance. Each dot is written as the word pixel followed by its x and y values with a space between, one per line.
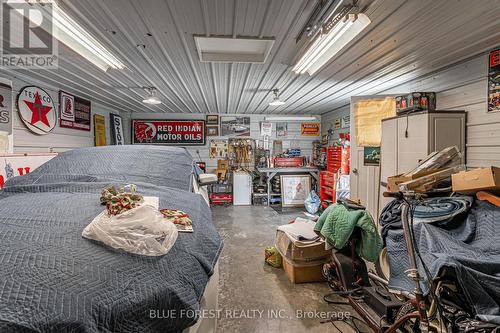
pixel 462 86
pixel 294 137
pixel 60 139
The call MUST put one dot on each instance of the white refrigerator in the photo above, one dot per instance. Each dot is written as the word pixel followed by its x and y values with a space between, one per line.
pixel 242 188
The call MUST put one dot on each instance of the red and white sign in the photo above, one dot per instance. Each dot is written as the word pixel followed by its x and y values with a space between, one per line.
pixel 13 165
pixel 36 110
pixel 168 132
pixel 67 105
pixel 76 112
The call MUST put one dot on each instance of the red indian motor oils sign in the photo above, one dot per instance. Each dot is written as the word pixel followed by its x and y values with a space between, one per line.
pixel 168 132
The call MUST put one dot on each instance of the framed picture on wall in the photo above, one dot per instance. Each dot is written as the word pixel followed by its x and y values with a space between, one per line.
pixel 281 130
pixel 212 119
pixel 294 190
pixel 371 156
pixel 213 130
pixel 346 121
pixel 218 148
pixel 235 126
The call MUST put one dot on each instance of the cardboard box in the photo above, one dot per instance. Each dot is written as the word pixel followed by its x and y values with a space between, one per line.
pixel 394 181
pixel 299 251
pixel 485 179
pixel 304 272
pixel 222 164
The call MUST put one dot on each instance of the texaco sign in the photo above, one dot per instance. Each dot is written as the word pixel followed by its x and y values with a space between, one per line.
pixel 37 110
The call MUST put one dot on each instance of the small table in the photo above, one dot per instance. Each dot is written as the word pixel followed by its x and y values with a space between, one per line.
pixel 271 172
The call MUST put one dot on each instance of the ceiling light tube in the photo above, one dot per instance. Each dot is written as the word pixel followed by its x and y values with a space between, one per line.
pixel 317 47
pixel 326 46
pixel 68 31
pixel 298 118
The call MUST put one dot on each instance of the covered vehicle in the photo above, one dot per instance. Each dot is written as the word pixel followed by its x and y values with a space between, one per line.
pixel 53 280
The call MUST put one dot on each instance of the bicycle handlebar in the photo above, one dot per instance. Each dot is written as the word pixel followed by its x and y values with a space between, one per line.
pixel 397 195
pixel 403 195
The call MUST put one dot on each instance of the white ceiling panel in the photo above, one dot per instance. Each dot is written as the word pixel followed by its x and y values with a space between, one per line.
pixel 154 38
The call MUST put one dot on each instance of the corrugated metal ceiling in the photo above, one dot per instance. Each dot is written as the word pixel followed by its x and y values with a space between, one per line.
pixel 406 40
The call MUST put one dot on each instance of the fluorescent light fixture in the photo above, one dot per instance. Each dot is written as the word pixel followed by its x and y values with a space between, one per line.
pixel 152 98
pixel 276 99
pixel 69 32
pixel 228 49
pixel 298 118
pixel 325 46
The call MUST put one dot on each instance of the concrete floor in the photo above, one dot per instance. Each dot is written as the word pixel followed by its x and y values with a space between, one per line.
pixel 255 297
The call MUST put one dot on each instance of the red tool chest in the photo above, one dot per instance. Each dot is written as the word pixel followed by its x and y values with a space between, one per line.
pixel 333 158
pixel 221 198
pixel 327 185
pixel 288 162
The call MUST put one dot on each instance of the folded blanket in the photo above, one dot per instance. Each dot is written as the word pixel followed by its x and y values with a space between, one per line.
pixel 301 230
pixel 337 224
pixel 441 209
pixel 433 210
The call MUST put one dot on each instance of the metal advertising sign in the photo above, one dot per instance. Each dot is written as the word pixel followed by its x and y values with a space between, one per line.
pixel 99 130
pixel 168 132
pixel 12 165
pixel 494 81
pixel 36 110
pixel 75 112
pixel 5 118
pixel 309 129
pixel 116 129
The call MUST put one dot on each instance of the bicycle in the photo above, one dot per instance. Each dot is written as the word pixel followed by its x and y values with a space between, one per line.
pixel 418 302
pixel 349 282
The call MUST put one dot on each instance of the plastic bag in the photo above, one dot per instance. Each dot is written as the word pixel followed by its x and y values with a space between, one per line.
pixel 312 203
pixel 141 230
pixel 273 257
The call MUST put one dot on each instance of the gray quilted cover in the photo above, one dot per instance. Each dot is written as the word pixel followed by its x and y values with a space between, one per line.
pixel 159 165
pixel 53 280
pixel 467 248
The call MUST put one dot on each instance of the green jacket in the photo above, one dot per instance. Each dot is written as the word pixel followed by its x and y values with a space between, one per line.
pixel 337 223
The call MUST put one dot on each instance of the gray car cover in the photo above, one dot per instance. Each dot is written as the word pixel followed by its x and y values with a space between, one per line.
pixel 53 280
pixel 467 246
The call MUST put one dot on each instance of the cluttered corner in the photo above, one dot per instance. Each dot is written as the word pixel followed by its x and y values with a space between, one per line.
pixel 407 268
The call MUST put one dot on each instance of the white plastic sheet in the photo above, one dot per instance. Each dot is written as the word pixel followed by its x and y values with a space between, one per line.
pixel 142 230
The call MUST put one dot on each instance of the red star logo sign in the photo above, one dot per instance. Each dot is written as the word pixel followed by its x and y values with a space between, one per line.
pixel 38 111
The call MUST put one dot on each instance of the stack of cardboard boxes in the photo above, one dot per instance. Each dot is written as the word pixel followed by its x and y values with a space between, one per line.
pixel 443 170
pixel 302 261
